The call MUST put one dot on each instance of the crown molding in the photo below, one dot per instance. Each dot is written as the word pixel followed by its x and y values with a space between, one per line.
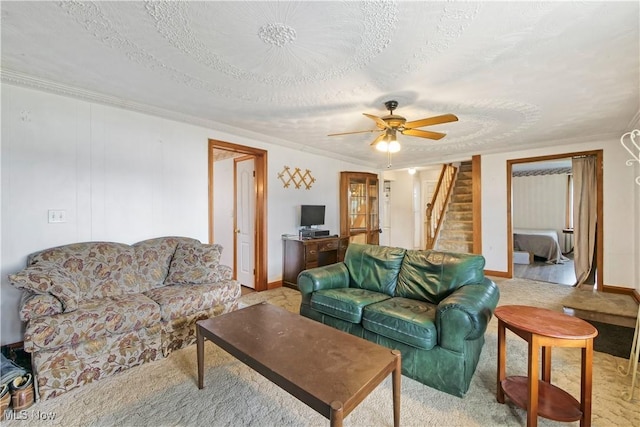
pixel 30 82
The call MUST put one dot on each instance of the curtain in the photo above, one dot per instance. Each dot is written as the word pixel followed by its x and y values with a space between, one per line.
pixel 584 216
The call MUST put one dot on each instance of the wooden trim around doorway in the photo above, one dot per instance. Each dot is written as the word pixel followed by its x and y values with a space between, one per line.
pixel 261 249
pixel 476 200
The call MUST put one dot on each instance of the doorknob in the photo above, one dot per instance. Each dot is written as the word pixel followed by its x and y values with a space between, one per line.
pixel 237 231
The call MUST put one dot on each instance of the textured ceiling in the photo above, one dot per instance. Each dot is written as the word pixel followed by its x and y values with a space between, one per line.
pixel 517 74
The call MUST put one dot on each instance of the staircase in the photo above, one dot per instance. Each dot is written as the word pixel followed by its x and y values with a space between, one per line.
pixel 456 234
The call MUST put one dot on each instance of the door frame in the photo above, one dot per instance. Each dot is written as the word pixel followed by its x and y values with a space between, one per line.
pixel 600 286
pixel 260 250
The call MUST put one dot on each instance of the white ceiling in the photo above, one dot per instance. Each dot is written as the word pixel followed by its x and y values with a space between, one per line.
pixel 517 74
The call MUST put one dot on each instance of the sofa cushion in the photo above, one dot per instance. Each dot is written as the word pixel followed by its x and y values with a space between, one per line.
pixel 179 301
pixel 154 258
pixel 47 279
pixel 345 303
pixel 100 269
pixel 194 263
pixel 93 320
pixel 405 320
pixel 433 275
pixel 373 267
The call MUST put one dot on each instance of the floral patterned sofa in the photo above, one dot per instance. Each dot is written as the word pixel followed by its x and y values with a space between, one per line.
pixel 96 308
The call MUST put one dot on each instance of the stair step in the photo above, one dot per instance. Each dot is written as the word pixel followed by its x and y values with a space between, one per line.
pixel 459 216
pixel 464 175
pixel 461 189
pixel 457 225
pixel 461 198
pixel 460 206
pixel 465 166
pixel 454 246
pixel 457 235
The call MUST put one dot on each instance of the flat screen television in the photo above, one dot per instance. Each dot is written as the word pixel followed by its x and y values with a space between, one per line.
pixel 311 215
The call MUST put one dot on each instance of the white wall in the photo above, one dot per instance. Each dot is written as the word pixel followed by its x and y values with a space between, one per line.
pixel 539 202
pixel 123 176
pixel 620 221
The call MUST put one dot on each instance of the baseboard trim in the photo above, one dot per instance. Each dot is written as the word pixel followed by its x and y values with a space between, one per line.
pixel 622 290
pixel 504 274
pixel 19 344
pixel 274 285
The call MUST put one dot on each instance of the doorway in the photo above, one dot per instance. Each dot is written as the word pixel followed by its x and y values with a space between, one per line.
pixel 258 217
pixel 599 258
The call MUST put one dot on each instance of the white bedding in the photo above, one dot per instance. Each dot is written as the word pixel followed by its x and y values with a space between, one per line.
pixel 542 243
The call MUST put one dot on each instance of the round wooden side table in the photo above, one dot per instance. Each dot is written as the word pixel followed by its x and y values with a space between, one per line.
pixel 545 328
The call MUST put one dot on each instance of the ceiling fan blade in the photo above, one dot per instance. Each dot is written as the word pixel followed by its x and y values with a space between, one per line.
pixel 445 118
pixel 358 131
pixel 381 123
pixel 375 141
pixel 424 133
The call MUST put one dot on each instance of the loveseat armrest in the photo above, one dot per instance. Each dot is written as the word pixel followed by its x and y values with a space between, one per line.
pixel 465 314
pixel 326 277
pixel 33 305
pixel 225 272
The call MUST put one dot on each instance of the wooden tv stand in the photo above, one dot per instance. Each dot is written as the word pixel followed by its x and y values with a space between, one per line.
pixel 303 254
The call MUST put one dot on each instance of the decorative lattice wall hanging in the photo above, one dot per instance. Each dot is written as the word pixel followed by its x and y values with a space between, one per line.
pixel 297 178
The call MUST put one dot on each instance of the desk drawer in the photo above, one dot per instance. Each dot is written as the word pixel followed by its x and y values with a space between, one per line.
pixel 311 253
pixel 328 246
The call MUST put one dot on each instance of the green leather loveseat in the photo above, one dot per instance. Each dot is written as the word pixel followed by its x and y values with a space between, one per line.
pixel 431 305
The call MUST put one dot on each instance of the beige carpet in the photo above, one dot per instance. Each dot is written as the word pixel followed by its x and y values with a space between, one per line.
pixel 164 393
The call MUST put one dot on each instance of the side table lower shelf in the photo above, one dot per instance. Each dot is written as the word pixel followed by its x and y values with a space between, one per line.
pixel 553 402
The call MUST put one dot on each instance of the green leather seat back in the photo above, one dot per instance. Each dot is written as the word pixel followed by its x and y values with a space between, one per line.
pixel 373 267
pixel 404 320
pixel 345 303
pixel 433 275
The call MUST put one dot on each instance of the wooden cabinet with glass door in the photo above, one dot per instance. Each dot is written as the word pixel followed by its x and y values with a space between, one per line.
pixel 359 210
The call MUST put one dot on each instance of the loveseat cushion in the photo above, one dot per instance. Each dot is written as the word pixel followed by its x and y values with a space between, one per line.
pixel 373 267
pixel 179 301
pixel 345 303
pixel 93 320
pixel 434 275
pixel 405 320
pixel 154 258
pixel 194 263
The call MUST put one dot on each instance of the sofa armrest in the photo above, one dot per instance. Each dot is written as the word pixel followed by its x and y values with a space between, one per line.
pixel 33 305
pixel 225 272
pixel 326 277
pixel 465 314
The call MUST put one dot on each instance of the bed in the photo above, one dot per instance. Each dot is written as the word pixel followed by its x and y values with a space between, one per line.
pixel 540 242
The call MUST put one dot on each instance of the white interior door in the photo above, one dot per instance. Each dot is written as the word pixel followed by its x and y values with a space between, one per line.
pixel 245 222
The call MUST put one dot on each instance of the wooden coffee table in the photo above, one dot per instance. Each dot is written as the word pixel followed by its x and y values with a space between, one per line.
pixel 329 370
pixel 545 328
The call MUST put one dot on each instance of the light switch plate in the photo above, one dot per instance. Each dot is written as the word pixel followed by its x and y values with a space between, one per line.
pixel 56 216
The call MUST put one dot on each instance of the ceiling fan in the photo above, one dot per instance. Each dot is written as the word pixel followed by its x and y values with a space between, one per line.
pixel 390 124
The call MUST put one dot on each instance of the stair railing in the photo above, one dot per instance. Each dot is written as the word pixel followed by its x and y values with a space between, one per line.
pixel 438 205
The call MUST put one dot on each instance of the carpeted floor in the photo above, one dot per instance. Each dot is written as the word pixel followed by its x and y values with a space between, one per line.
pixel 165 393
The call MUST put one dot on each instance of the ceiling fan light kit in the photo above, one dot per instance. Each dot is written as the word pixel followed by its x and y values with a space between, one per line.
pixel 389 142
pixel 389 125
